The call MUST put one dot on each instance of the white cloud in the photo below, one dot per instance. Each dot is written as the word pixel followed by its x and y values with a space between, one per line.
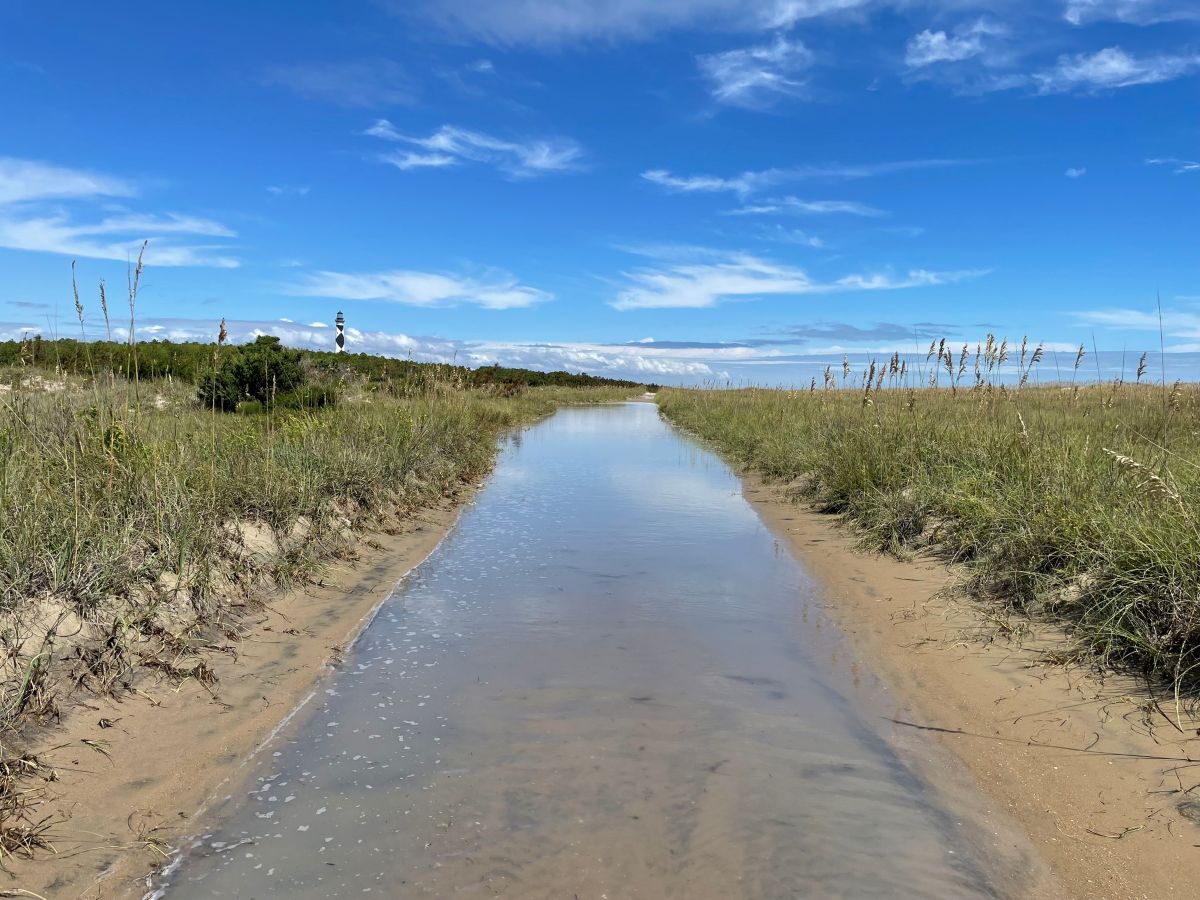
pixel 32 219
pixel 1136 12
pixel 714 278
pixel 972 58
pixel 750 182
pixel 288 190
pixel 746 183
pixel 1174 322
pixel 931 47
pixel 405 160
pixel 24 180
pixel 496 290
pixel 115 238
pixel 549 23
pixel 620 361
pixel 1179 166
pixel 914 278
pixel 785 13
pixel 171 223
pixel 705 284
pixel 755 77
pixel 596 359
pixel 359 83
pixel 1076 173
pixel 1111 68
pixel 782 235
pixel 451 145
pixel 795 206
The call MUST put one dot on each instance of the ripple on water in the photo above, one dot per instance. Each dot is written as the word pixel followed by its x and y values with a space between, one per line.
pixel 602 683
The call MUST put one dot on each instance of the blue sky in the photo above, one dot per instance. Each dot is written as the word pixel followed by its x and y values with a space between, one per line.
pixel 681 190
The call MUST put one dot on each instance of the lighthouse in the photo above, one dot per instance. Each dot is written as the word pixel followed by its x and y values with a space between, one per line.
pixel 340 340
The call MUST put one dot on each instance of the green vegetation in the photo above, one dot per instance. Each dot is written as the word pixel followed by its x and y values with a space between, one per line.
pixel 150 517
pixel 260 372
pixel 139 522
pixel 1075 503
pixel 194 363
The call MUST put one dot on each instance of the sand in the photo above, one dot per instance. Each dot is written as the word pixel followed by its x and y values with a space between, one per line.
pixel 171 749
pixel 1106 824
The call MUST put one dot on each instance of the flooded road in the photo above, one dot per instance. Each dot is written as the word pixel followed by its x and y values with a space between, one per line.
pixel 608 681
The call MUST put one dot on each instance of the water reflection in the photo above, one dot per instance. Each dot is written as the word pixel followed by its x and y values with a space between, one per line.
pixel 605 683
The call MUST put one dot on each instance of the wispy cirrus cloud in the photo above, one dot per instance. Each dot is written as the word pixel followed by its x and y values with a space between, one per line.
pixel 795 206
pixel 33 218
pixel 745 183
pixel 24 180
pixel 972 58
pixel 1179 166
pixel 754 181
pixel 988 54
pixel 758 76
pixel 1112 68
pixel 117 238
pixel 751 183
pixel 929 47
pixel 846 333
pixel 781 235
pixel 553 23
pixel 406 160
pixel 451 145
pixel 709 278
pixel 1135 12
pixel 493 289
pixel 170 223
pixel 363 84
pixel 1176 324
pixel 549 23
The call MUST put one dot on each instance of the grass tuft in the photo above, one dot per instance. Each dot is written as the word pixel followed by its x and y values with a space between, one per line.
pixel 139 527
pixel 1071 502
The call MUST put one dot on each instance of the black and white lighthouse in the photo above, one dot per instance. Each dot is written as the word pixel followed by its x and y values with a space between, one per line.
pixel 340 340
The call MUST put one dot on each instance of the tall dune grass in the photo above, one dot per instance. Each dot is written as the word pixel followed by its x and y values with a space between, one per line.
pixel 1077 503
pixel 137 527
pixel 138 524
pixel 149 517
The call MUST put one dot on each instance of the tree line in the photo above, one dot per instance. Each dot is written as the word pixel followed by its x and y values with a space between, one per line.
pixel 266 372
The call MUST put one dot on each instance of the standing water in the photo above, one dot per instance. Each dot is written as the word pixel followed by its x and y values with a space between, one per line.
pixel 606 682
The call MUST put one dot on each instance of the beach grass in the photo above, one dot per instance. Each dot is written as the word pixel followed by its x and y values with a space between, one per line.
pixel 140 528
pixel 137 518
pixel 1074 503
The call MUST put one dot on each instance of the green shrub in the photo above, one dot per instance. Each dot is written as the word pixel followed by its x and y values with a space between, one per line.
pixel 263 371
pixel 311 396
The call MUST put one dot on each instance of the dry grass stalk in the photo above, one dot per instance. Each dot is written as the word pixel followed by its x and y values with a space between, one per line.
pixel 1151 481
pixel 1064 496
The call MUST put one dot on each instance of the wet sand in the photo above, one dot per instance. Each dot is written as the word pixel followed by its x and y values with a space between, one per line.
pixel 1055 747
pixel 172 749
